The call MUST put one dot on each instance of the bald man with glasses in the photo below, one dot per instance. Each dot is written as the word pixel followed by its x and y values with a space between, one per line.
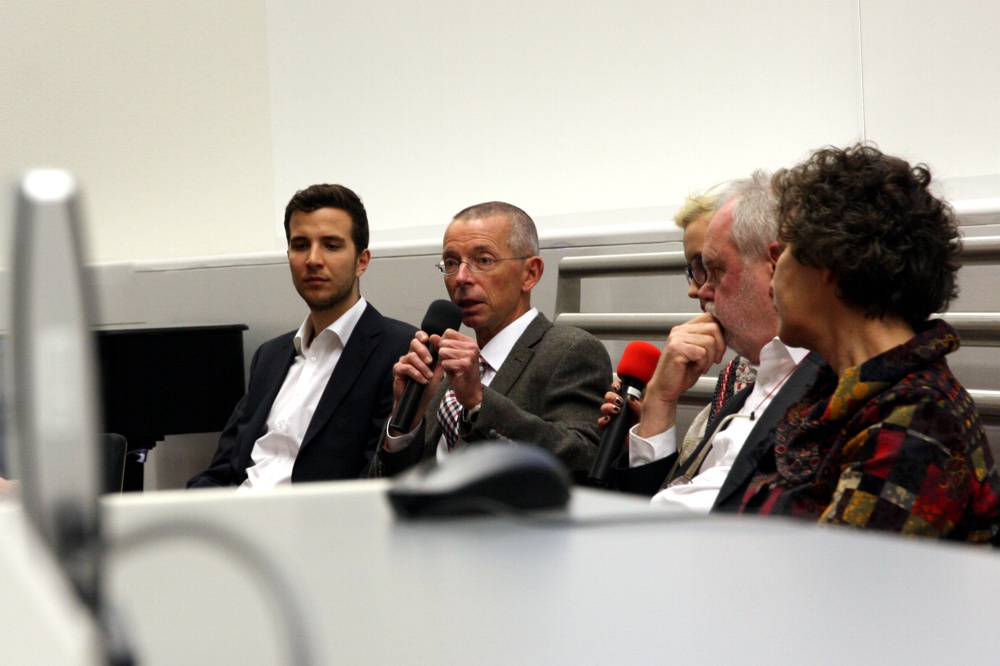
pixel 521 378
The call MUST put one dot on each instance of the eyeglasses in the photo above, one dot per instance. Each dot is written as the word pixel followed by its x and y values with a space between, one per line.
pixel 696 272
pixel 476 264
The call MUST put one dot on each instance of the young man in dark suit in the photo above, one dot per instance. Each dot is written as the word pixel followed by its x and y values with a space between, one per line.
pixel 318 397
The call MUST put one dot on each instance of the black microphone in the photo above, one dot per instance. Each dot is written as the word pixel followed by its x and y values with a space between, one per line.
pixel 635 368
pixel 441 315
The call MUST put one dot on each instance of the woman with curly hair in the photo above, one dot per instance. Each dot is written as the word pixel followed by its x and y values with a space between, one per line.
pixel 887 438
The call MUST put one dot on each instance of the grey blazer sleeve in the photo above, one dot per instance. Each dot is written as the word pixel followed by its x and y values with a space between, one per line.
pixel 548 393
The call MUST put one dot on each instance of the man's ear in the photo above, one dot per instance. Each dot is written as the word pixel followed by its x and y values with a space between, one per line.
pixel 533 269
pixel 774 250
pixel 362 262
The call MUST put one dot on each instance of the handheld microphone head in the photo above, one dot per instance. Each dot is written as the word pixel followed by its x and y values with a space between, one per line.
pixel 441 315
pixel 635 369
pixel 639 361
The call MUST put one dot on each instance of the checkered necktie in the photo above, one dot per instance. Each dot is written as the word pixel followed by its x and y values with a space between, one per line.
pixel 450 411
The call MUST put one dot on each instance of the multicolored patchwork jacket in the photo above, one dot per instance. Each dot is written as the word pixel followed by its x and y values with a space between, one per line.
pixel 895 444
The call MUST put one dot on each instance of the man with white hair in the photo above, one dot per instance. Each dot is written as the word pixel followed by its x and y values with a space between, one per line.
pixel 739 255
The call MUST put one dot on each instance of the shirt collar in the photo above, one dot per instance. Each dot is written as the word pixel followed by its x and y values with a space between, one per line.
pixel 776 358
pixel 340 329
pixel 496 350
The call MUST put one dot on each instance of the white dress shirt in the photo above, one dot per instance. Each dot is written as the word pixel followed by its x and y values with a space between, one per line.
pixel 777 362
pixel 275 452
pixel 494 353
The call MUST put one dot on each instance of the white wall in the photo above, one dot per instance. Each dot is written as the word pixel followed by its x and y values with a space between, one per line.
pixel 931 86
pixel 558 106
pixel 190 123
pixel 159 106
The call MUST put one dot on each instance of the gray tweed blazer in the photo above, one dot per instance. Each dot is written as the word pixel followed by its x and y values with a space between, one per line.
pixel 548 392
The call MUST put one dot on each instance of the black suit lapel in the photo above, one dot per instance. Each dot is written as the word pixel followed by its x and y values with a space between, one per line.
pixel 731 406
pixel 759 440
pixel 361 344
pixel 275 373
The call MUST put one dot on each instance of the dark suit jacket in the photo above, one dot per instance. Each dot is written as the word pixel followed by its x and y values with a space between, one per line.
pixel 548 392
pixel 759 440
pixel 349 419
pixel 649 479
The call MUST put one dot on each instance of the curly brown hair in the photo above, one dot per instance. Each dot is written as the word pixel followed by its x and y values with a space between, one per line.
pixel 871 219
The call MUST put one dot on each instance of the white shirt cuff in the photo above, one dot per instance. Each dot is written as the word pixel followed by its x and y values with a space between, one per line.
pixel 643 450
pixel 393 444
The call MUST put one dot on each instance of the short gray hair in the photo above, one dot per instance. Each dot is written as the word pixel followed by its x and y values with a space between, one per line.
pixel 523 238
pixel 755 214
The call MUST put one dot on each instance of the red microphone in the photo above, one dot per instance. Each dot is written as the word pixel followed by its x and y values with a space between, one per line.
pixel 636 367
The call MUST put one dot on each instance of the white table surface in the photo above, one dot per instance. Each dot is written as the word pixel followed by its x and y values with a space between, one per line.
pixel 612 581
